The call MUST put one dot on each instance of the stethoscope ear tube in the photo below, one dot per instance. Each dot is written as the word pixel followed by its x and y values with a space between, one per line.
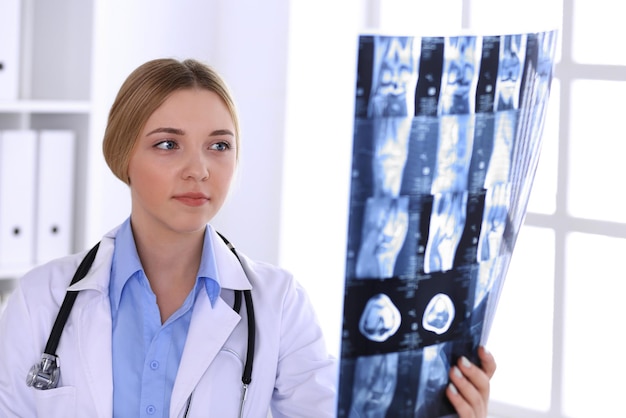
pixel 68 302
pixel 45 374
pixel 247 371
pixel 246 378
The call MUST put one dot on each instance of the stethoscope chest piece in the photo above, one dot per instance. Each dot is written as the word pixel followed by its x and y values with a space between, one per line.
pixel 45 374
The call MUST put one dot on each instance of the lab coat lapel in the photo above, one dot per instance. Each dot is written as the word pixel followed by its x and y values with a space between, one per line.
pixel 95 352
pixel 94 329
pixel 210 326
pixel 209 329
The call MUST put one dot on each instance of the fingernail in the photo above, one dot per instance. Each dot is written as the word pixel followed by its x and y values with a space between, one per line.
pixel 465 362
pixel 453 388
pixel 485 350
pixel 457 372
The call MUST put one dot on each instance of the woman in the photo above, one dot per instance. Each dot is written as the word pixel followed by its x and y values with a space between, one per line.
pixel 155 329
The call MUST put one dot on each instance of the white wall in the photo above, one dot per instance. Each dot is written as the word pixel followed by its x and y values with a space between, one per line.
pixel 318 144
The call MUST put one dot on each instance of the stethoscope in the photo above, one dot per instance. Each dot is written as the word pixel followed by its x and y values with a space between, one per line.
pixel 45 374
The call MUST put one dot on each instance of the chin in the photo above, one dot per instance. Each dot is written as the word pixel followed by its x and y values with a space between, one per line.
pixel 189 224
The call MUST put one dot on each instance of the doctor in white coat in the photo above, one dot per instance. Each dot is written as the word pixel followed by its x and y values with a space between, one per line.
pixel 153 331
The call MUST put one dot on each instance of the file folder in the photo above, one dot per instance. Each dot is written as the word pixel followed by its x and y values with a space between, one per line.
pixel 55 194
pixel 9 49
pixel 17 197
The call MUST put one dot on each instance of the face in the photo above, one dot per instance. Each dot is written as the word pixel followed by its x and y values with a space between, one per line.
pixel 182 165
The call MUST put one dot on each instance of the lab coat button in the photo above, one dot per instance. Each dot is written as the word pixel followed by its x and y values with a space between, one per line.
pixel 150 409
pixel 154 364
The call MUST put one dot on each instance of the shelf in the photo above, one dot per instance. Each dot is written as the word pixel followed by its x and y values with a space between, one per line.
pixel 7 283
pixel 45 106
pixel 8 274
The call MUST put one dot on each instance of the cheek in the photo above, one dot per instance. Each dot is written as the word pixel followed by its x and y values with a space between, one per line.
pixel 224 174
pixel 144 176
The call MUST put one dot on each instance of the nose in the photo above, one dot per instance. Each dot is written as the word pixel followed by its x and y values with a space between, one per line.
pixel 195 167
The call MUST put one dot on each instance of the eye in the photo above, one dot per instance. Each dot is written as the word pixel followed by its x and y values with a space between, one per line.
pixel 166 145
pixel 221 146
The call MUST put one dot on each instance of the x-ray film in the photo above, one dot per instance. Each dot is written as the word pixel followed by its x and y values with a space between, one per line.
pixel 447 135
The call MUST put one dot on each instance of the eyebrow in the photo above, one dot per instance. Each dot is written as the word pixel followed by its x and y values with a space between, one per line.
pixel 219 132
pixel 176 131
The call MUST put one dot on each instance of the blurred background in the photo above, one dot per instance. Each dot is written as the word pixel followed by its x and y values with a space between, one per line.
pixel 558 334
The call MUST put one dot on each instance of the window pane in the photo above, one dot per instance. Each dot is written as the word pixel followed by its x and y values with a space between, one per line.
pixel 594 326
pixel 599 31
pixel 597 149
pixel 521 337
pixel 507 16
pixel 420 16
pixel 543 195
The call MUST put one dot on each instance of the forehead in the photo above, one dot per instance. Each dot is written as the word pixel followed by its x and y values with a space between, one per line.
pixel 192 106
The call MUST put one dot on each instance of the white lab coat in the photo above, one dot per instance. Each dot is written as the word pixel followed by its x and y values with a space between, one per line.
pixel 292 370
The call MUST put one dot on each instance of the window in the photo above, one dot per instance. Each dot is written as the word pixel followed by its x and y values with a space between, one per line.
pixel 557 358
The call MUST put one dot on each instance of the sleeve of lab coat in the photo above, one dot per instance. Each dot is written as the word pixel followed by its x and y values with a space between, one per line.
pixel 16 358
pixel 306 376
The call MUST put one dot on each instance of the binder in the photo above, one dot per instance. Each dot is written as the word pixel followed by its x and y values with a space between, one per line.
pixel 17 197
pixel 9 49
pixel 55 194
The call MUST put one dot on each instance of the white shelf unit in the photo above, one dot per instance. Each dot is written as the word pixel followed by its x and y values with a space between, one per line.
pixel 55 45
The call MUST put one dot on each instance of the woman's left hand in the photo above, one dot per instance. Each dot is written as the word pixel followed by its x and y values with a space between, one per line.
pixel 468 390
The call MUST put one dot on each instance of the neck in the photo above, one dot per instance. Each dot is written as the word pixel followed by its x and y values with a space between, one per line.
pixel 171 262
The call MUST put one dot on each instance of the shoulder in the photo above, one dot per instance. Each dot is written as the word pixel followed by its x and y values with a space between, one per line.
pixel 267 277
pixel 50 281
pixel 51 278
pixel 276 292
pixel 266 271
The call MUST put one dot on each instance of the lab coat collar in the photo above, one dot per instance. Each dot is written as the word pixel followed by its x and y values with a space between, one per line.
pixel 231 275
pixel 99 275
pixel 229 270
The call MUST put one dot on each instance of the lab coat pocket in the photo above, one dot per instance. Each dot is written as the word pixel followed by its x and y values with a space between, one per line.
pixel 59 402
pixel 219 392
pixel 228 368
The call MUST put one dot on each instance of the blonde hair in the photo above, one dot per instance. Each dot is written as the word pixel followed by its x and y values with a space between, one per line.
pixel 145 89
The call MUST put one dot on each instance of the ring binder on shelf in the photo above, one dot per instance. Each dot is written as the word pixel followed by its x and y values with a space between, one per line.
pixel 17 197
pixel 55 194
pixel 9 49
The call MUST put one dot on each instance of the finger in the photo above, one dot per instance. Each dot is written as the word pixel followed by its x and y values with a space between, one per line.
pixel 460 404
pixel 472 384
pixel 475 378
pixel 488 362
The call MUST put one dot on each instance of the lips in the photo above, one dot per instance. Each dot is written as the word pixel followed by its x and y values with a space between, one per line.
pixel 192 199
